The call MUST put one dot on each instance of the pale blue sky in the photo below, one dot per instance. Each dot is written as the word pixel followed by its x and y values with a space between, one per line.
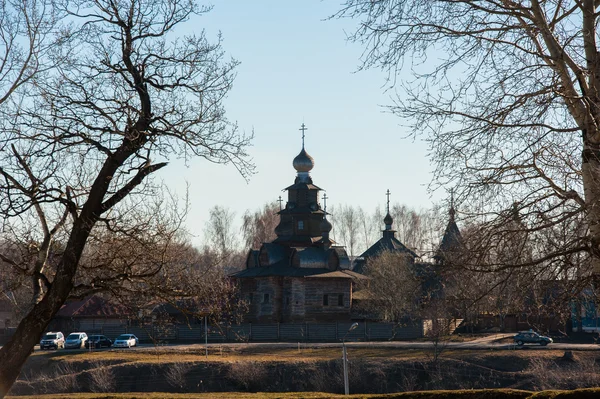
pixel 296 66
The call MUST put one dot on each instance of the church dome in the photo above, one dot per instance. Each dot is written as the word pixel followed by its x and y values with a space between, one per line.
pixel 279 230
pixel 303 162
pixel 388 220
pixel 325 226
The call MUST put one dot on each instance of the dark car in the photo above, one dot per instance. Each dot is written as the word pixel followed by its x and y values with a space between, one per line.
pixel 98 341
pixel 531 337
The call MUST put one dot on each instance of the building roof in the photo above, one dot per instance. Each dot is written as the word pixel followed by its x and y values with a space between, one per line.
pixel 281 269
pixel 341 274
pixel 92 306
pixel 303 186
pixel 387 243
pixel 452 239
pixel 286 271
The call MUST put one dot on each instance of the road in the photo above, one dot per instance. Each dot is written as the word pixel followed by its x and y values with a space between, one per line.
pixel 492 342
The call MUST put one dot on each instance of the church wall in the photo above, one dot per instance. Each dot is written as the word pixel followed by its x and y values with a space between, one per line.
pixel 264 296
pixel 293 299
pixel 316 310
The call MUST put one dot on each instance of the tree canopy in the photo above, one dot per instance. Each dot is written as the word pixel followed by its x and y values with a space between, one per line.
pixel 507 95
pixel 96 96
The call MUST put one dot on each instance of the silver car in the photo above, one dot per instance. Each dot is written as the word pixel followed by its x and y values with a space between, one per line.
pixel 531 337
pixel 76 340
pixel 54 340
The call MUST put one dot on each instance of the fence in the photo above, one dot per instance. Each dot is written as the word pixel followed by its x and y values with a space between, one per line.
pixel 280 332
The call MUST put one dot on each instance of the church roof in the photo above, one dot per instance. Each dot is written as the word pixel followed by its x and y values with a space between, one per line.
pixel 303 186
pixel 341 274
pixel 301 209
pixel 452 239
pixel 387 243
pixel 281 269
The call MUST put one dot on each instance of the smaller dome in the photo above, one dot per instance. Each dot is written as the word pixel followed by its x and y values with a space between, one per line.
pixel 388 220
pixel 303 162
pixel 325 226
pixel 279 230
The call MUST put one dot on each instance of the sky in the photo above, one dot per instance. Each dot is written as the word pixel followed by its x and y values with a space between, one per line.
pixel 297 67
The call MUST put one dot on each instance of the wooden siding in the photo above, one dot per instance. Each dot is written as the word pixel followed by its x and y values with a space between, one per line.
pixel 296 299
pixel 315 310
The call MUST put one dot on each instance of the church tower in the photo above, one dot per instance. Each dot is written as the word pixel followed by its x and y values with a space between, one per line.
pixel 301 275
pixel 301 219
pixel 388 242
pixel 452 241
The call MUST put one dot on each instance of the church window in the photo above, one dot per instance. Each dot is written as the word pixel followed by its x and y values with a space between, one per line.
pixel 266 298
pixel 333 299
pixel 250 298
pixel 287 300
pixel 300 225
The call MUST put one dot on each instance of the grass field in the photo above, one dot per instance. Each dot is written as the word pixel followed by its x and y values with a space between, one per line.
pixel 230 371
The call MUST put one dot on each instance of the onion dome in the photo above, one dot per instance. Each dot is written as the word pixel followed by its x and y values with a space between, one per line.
pixel 279 230
pixel 388 220
pixel 303 162
pixel 325 226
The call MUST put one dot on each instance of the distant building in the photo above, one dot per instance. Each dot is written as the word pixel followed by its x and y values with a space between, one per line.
pixel 91 313
pixel 388 242
pixel 302 275
pixel 432 276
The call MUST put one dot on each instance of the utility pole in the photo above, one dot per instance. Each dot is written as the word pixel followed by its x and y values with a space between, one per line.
pixel 345 360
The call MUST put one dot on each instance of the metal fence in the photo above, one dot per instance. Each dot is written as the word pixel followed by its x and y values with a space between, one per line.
pixel 279 332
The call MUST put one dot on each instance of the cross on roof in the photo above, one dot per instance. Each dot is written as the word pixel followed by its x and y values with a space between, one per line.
pixel 280 201
pixel 387 193
pixel 325 202
pixel 452 203
pixel 303 128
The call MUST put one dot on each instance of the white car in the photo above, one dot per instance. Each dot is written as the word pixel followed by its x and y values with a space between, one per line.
pixel 125 341
pixel 76 340
pixel 52 339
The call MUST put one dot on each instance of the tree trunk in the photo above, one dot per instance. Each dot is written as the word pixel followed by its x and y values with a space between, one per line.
pixel 590 169
pixel 15 353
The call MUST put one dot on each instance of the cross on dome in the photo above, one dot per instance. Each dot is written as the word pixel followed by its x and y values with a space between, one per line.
pixel 388 220
pixel 387 193
pixel 303 128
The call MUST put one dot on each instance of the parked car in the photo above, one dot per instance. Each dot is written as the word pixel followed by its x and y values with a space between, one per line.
pixel 98 341
pixel 52 340
pixel 125 341
pixel 531 337
pixel 76 340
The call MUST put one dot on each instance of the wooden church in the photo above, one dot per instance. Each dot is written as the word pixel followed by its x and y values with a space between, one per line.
pixel 302 275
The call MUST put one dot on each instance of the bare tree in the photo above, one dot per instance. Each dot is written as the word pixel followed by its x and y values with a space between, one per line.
pixel 80 141
pixel 346 225
pixel 394 287
pixel 221 238
pixel 259 226
pixel 26 39
pixel 509 103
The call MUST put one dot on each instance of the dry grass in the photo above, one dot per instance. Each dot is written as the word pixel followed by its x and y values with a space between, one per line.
pixel 227 354
pixel 468 394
